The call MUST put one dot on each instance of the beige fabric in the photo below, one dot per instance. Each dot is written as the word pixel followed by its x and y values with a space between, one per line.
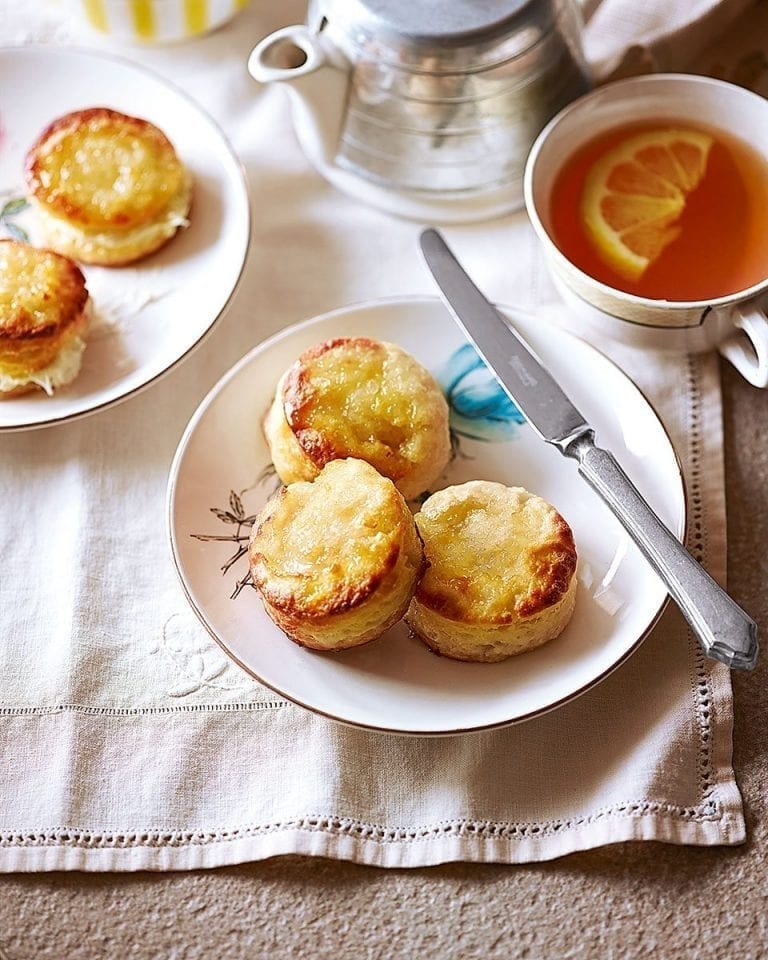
pixel 128 741
pixel 624 37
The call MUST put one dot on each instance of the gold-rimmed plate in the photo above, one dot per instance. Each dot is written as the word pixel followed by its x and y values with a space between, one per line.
pixel 221 477
pixel 149 315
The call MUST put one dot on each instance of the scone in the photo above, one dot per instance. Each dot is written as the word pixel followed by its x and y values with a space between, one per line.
pixel 44 310
pixel 356 397
pixel 108 188
pixel 501 570
pixel 336 560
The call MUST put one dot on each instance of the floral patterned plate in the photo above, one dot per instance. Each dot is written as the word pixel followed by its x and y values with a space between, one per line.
pixel 222 475
pixel 149 315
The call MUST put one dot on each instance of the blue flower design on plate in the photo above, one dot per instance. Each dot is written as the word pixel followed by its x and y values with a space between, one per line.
pixel 479 407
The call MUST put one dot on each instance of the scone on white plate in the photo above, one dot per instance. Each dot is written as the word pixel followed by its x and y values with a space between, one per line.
pixel 44 313
pixel 336 560
pixel 361 398
pixel 108 188
pixel 500 578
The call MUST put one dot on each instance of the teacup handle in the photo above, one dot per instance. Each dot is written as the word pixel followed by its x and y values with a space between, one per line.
pixel 750 359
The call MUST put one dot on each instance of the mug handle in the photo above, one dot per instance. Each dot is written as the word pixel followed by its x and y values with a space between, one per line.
pixel 750 358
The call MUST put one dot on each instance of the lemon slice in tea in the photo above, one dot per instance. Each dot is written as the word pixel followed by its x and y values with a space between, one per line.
pixel 635 193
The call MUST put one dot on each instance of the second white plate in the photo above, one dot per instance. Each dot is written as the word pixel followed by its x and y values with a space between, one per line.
pixel 151 314
pixel 221 477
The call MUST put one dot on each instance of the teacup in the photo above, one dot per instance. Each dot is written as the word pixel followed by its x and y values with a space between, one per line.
pixel 736 324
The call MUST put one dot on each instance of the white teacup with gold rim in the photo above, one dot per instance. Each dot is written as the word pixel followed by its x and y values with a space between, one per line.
pixel 663 135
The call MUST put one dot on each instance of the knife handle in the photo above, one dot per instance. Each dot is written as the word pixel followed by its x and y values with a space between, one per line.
pixel 723 629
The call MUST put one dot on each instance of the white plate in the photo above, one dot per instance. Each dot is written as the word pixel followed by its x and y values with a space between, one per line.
pixel 151 314
pixel 395 683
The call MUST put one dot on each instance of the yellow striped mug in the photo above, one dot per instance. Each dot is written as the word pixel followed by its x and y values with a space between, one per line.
pixel 157 21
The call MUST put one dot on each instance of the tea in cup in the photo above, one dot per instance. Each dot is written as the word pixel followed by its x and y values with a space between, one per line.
pixel 649 195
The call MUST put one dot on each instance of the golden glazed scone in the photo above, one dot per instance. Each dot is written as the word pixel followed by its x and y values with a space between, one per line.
pixel 500 576
pixel 43 319
pixel 356 397
pixel 108 188
pixel 336 560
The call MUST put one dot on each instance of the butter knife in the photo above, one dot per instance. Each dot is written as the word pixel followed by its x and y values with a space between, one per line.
pixel 725 631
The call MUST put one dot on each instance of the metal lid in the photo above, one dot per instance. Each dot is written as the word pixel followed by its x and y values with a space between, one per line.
pixel 452 23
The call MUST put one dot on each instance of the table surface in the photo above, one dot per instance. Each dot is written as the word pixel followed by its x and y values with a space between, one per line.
pixel 628 900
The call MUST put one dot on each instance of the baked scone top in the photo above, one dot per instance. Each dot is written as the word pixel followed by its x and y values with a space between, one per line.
pixel 495 553
pixel 103 170
pixel 357 397
pixel 41 292
pixel 323 547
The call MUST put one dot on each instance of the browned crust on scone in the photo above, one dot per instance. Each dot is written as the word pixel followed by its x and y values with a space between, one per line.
pixel 71 294
pixel 347 598
pixel 303 639
pixel 553 565
pixel 63 206
pixel 298 397
pixel 20 391
pixel 27 357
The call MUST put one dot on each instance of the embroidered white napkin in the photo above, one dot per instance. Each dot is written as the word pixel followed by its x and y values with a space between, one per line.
pixel 128 741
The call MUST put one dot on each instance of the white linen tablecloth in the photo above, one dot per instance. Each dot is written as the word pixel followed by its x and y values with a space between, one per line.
pixel 128 741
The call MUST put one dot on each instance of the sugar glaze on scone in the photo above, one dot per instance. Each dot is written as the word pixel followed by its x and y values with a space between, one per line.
pixel 44 313
pixel 362 398
pixel 501 571
pixel 336 560
pixel 108 188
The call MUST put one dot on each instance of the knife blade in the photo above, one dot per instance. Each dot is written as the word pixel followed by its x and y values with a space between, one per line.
pixel 725 631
